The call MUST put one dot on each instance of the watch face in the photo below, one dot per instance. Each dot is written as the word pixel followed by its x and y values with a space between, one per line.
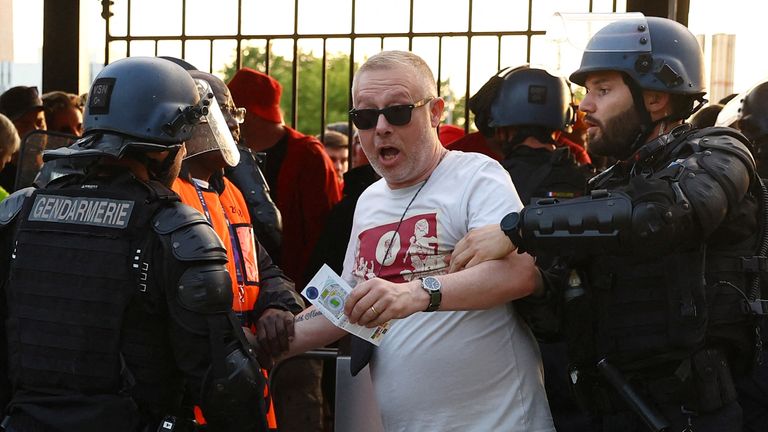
pixel 431 284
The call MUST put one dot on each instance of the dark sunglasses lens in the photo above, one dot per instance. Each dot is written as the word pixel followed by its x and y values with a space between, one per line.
pixel 365 118
pixel 398 115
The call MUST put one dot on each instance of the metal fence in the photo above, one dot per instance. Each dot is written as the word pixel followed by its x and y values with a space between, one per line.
pixel 515 42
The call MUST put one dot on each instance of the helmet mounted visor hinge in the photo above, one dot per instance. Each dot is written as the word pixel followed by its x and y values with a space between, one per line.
pixel 644 63
pixel 188 116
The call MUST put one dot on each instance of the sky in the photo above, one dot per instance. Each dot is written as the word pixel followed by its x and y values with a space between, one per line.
pixel 741 17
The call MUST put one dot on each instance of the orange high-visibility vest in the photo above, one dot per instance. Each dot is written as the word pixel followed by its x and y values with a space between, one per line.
pixel 229 216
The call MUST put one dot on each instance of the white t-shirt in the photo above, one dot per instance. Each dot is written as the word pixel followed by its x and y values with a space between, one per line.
pixel 442 371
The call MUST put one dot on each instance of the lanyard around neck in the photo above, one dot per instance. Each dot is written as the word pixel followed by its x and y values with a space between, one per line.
pixel 233 239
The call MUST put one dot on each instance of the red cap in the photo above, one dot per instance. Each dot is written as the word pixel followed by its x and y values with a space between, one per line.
pixel 448 133
pixel 258 93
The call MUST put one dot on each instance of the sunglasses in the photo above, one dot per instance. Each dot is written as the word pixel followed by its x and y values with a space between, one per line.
pixel 396 115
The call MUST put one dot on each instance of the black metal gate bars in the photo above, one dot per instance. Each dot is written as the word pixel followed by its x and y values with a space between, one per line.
pixel 458 38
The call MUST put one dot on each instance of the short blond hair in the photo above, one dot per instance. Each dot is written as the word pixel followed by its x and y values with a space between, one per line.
pixel 9 137
pixel 391 59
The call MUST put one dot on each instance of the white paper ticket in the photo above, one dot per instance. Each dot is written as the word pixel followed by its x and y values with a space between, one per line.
pixel 328 292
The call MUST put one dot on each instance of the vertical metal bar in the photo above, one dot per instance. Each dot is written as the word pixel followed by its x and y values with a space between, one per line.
pixel 381 43
pixel 469 61
pixel 530 23
pixel 239 49
pixel 107 34
pixel 323 91
pixel 410 27
pixel 672 9
pixel 128 32
pixel 591 6
pixel 267 55
pixel 614 5
pixel 352 40
pixel 439 64
pixel 498 56
pixel 295 81
pixel 61 43
pixel 183 28
pixel 210 56
pixel 156 42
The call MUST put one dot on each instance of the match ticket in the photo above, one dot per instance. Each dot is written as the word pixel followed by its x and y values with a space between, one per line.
pixel 328 292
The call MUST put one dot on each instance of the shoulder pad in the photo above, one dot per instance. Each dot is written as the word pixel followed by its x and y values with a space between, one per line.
pixel 730 143
pixel 11 206
pixel 206 289
pixel 192 237
pixel 175 216
pixel 198 242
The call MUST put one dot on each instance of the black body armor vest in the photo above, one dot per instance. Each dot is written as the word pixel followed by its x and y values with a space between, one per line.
pixel 539 173
pixel 651 307
pixel 73 312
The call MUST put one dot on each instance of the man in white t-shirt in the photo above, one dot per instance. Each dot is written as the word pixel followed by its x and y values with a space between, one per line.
pixel 458 357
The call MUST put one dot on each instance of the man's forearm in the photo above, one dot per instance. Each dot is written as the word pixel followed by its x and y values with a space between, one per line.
pixel 490 283
pixel 312 330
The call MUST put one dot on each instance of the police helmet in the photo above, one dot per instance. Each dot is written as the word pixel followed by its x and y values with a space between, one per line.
pixel 656 53
pixel 754 112
pixel 532 97
pixel 138 103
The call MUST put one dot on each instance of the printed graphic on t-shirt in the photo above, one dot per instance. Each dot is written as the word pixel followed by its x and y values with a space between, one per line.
pixel 401 255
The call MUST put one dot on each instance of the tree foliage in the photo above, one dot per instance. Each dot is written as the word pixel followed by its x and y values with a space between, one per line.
pixel 309 86
pixel 310 99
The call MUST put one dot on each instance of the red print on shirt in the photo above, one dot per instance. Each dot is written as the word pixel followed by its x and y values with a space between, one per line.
pixel 413 250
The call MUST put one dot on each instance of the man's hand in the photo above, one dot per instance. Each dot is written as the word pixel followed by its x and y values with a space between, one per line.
pixel 265 360
pixel 377 301
pixel 481 244
pixel 274 331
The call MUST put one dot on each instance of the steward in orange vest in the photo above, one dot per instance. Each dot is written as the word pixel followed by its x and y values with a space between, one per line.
pixel 264 299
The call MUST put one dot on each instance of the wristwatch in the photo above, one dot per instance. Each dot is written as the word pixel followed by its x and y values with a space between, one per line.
pixel 432 286
pixel 510 224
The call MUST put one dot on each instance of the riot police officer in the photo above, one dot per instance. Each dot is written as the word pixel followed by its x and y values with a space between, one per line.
pixel 753 122
pixel 116 298
pixel 531 106
pixel 659 310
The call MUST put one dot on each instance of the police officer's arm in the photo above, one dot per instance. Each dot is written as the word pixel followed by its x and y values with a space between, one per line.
pixel 673 208
pixel 278 302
